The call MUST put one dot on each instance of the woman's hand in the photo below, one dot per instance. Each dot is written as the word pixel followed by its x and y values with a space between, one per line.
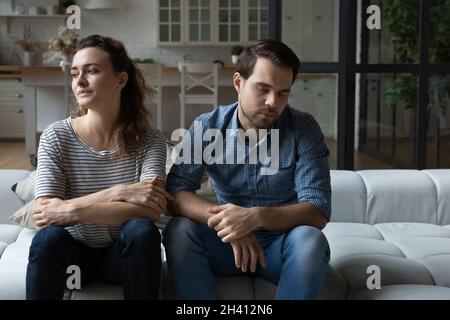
pixel 53 212
pixel 146 193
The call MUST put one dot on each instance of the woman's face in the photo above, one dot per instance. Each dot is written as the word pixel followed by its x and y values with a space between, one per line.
pixel 94 82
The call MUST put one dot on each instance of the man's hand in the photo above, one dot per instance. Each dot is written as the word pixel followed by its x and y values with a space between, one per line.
pixel 145 193
pixel 233 222
pixel 247 249
pixel 53 212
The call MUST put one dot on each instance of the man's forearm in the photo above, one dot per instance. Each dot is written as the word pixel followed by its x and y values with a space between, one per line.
pixel 190 205
pixel 113 213
pixel 284 218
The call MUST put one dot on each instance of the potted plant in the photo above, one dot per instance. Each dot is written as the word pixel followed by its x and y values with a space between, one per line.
pixel 235 52
pixel 28 45
pixel 62 47
pixel 145 65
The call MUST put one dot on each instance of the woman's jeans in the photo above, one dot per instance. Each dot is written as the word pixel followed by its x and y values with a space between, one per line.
pixel 133 261
pixel 296 260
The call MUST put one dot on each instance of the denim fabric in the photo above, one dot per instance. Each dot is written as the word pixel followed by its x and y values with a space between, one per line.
pixel 133 261
pixel 297 260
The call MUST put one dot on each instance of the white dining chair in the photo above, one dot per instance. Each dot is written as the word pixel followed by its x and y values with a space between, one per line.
pixel 195 76
pixel 152 73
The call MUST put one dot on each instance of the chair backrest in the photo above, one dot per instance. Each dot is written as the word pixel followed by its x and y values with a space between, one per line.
pixel 196 77
pixel 152 73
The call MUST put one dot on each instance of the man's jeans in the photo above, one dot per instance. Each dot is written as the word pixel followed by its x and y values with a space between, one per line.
pixel 133 261
pixel 297 260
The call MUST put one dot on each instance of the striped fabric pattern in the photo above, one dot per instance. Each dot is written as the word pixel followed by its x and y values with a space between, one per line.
pixel 68 168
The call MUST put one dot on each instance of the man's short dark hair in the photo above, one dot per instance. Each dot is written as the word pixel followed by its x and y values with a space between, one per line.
pixel 277 52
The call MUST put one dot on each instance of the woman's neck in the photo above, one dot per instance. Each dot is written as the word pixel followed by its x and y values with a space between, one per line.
pixel 97 129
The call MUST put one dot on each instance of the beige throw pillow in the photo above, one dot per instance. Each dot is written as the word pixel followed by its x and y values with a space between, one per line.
pixel 23 216
pixel 25 191
pixel 25 188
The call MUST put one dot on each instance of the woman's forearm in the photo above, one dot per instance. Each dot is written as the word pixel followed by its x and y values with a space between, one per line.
pixel 106 195
pixel 112 213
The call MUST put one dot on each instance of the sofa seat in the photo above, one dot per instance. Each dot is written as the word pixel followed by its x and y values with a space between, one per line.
pixel 406 253
pixel 14 247
pixel 406 292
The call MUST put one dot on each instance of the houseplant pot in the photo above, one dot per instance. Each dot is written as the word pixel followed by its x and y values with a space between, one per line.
pixel 235 52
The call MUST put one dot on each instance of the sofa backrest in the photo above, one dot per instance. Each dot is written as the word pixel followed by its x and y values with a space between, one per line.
pixel 378 196
pixel 9 201
pixel 367 196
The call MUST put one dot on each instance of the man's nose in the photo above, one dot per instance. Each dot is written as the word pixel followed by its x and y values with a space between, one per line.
pixel 271 100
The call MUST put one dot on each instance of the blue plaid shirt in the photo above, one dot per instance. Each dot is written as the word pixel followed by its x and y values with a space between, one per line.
pixel 303 174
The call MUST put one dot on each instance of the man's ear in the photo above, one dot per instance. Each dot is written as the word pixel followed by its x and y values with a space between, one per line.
pixel 123 79
pixel 237 81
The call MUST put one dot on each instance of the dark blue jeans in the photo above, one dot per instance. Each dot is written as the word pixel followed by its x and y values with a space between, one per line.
pixel 133 261
pixel 296 260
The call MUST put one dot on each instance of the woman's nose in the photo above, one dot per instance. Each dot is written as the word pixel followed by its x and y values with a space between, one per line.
pixel 81 81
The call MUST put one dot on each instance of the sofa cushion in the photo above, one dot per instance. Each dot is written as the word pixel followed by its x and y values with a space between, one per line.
pixel 438 266
pixel 399 196
pixel 348 229
pixel 421 247
pixel 13 266
pixel 406 292
pixel 392 270
pixel 348 197
pixel 441 179
pixel 9 233
pixel 394 231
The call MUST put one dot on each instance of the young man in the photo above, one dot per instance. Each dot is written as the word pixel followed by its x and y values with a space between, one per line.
pixel 267 222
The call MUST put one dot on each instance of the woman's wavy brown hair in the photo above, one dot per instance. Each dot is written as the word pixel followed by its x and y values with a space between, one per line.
pixel 134 118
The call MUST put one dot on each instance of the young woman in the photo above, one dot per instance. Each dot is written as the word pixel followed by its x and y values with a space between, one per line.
pixel 94 174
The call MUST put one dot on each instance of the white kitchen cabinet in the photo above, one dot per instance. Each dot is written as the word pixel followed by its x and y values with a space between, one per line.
pixel 12 121
pixel 257 19
pixel 199 21
pixel 170 21
pixel 211 22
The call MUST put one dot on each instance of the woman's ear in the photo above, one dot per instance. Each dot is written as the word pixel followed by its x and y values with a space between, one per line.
pixel 123 79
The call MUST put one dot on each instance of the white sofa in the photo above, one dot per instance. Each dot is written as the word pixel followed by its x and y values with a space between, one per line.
pixel 396 220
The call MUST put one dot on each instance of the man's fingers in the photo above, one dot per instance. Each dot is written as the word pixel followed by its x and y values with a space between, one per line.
pixel 261 256
pixel 253 257
pixel 245 257
pixel 237 255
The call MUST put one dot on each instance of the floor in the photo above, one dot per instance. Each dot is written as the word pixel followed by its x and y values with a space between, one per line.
pixel 14 156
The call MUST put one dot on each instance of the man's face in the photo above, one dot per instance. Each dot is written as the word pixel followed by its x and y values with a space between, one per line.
pixel 264 95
